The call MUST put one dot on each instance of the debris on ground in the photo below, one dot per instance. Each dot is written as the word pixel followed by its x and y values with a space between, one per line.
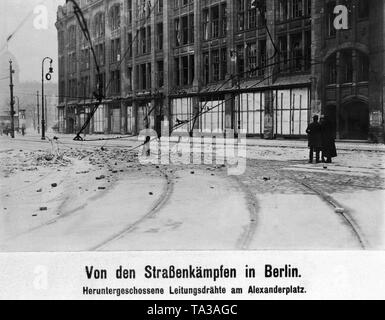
pixel 49 157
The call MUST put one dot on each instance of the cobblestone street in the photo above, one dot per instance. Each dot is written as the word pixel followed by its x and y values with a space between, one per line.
pixel 97 196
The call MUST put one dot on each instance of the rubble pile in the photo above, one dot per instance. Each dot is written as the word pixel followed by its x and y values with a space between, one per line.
pixel 50 160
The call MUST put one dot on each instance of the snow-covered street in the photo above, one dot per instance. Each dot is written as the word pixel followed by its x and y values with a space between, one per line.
pixel 86 196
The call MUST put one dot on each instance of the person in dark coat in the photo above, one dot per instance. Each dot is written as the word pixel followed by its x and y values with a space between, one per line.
pixel 315 139
pixel 329 150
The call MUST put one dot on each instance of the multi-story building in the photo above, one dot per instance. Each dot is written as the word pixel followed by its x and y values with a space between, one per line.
pixel 262 66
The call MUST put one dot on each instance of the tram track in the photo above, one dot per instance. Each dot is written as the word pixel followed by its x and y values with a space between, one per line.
pixel 338 208
pixel 246 236
pixel 252 204
pixel 157 206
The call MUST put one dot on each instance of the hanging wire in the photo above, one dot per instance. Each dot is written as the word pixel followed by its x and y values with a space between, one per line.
pixel 99 94
pixel 83 25
pixel 256 4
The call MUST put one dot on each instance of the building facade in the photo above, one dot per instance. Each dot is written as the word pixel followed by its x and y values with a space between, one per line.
pixel 264 67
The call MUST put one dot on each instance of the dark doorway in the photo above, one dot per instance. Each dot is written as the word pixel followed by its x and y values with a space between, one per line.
pixel 354 121
pixel 71 125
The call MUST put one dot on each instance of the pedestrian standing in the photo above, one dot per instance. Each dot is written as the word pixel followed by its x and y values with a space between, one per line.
pixel 315 140
pixel 329 149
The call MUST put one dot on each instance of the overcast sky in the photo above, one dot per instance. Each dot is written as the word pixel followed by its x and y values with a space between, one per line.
pixel 29 45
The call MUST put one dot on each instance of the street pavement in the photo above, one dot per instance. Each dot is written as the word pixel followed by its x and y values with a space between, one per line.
pixel 62 195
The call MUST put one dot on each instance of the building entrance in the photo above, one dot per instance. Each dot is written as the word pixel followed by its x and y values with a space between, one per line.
pixel 354 121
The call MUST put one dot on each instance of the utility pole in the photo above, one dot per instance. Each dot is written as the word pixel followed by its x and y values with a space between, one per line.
pixel 38 113
pixel 11 72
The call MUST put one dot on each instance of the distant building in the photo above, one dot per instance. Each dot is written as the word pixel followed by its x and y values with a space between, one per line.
pixel 169 60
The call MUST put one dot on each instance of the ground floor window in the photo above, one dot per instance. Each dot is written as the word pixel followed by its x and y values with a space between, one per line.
pixel 144 116
pixel 115 120
pixel 251 112
pixel 292 109
pixel 61 120
pixel 83 117
pixel 130 120
pixel 182 113
pixel 99 120
pixel 212 117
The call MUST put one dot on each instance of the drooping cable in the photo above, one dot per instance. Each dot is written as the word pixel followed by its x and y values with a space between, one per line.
pixel 99 95
pixel 256 4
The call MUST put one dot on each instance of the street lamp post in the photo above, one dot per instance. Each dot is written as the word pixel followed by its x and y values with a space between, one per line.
pixel 48 78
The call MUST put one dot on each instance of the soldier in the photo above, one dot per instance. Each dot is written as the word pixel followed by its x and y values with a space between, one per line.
pixel 315 139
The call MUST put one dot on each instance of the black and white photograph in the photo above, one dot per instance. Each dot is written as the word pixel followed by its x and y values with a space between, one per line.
pixel 192 125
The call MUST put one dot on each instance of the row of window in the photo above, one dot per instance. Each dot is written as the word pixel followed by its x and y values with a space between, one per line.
pixel 182 3
pixel 250 14
pixel 294 52
pixel 214 65
pixel 293 9
pixel 184 30
pixel 81 89
pixel 291 112
pixel 251 60
pixel 347 66
pixel 214 22
pixel 144 8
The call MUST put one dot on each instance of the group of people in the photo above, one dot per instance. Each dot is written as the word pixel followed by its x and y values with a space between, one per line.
pixel 321 140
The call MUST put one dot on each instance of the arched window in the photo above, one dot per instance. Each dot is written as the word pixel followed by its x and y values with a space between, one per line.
pixel 99 25
pixel 115 17
pixel 331 69
pixel 353 66
pixel 363 67
pixel 346 66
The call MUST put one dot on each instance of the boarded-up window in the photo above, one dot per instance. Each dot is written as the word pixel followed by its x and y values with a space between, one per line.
pixel 292 111
pixel 99 120
pixel 252 113
pixel 115 120
pixel 212 116
pixel 130 119
pixel 182 113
